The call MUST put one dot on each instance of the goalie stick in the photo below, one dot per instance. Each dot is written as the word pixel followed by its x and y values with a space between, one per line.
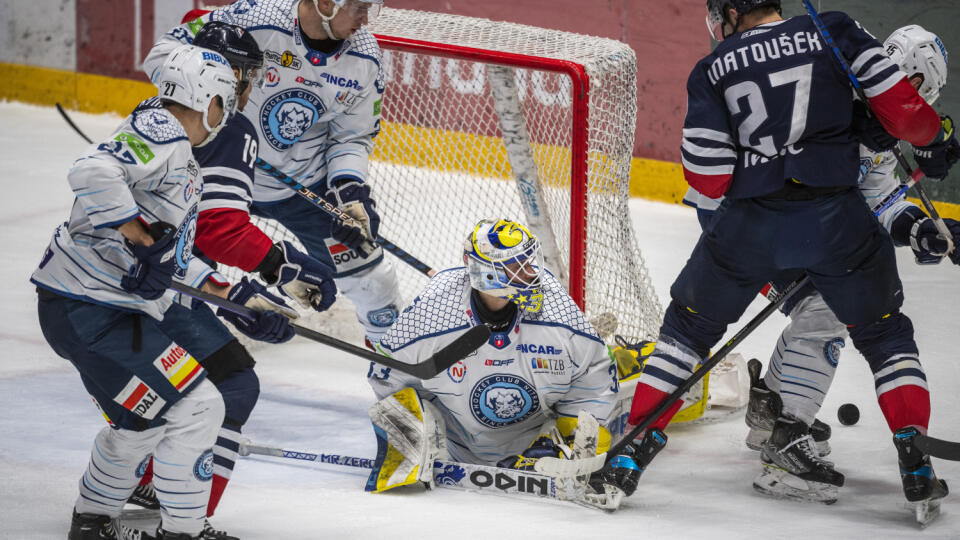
pixel 468 342
pixel 902 161
pixel 459 476
pixel 322 203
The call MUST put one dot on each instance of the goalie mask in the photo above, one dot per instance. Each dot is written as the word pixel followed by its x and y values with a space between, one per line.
pixel 503 260
pixel 919 52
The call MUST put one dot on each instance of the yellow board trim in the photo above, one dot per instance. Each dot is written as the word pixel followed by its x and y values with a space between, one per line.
pixel 649 178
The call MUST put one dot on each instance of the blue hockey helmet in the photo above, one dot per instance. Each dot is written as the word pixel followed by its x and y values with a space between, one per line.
pixel 716 12
pixel 503 259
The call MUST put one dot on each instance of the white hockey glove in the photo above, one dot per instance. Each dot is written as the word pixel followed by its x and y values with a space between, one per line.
pixel 410 437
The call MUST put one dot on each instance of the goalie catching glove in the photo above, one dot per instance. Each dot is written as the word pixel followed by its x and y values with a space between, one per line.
pixel 353 198
pixel 272 323
pixel 298 276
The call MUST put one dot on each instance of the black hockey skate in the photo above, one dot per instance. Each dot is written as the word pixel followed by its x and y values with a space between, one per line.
pixel 763 410
pixel 921 486
pixel 209 533
pixel 143 506
pixel 792 467
pixel 91 527
pixel 622 472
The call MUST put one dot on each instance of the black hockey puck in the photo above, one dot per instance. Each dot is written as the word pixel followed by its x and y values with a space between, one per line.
pixel 848 414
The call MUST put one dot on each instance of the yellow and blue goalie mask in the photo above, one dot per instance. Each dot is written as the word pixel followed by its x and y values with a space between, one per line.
pixel 503 260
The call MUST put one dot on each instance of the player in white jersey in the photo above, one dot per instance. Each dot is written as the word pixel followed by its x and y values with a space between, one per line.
pixel 104 301
pixel 804 361
pixel 541 367
pixel 316 117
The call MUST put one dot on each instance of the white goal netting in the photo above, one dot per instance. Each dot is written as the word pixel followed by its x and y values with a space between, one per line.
pixel 455 86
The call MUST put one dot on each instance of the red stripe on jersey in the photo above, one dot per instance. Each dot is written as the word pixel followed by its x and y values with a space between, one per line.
pixel 228 236
pixel 134 398
pixel 711 185
pixel 186 380
pixel 905 114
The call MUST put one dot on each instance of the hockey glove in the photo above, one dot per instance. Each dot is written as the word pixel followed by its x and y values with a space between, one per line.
pixel 913 228
pixel 298 276
pixel 541 447
pixel 152 274
pixel 869 131
pixel 624 469
pixel 354 199
pixel 272 323
pixel 939 156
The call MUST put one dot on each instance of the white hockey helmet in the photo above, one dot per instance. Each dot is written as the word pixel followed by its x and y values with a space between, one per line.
pixel 918 51
pixel 356 8
pixel 193 77
pixel 503 259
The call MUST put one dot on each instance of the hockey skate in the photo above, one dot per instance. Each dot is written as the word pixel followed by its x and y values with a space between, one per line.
pixel 763 410
pixel 792 467
pixel 619 477
pixel 99 527
pixel 921 486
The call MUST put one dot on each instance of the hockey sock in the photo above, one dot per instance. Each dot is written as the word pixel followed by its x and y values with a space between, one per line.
pixel 224 458
pixel 645 400
pixel 905 406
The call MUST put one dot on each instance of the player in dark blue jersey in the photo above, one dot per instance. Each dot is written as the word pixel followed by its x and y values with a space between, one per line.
pixel 768 126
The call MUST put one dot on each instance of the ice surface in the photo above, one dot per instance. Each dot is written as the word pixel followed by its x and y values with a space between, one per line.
pixel 315 399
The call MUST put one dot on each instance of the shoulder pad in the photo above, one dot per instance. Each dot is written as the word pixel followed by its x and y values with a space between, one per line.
pixel 157 125
pixel 252 13
pixel 559 308
pixel 440 308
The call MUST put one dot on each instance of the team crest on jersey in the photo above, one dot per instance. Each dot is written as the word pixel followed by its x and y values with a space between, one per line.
pixel 457 372
pixel 142 467
pixel 501 400
pixel 286 116
pixel 185 234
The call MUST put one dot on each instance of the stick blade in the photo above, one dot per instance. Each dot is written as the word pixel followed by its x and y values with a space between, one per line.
pixel 468 342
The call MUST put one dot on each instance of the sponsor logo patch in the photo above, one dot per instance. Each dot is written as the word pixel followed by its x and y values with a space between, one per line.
pixel 272 77
pixel 140 399
pixel 501 400
pixel 457 372
pixel 286 59
pixel 344 258
pixel 547 365
pixel 498 363
pixel 532 348
pixel 308 82
pixel 451 475
pixel 177 366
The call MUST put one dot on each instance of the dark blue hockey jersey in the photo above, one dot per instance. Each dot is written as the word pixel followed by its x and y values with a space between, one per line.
pixel 772 103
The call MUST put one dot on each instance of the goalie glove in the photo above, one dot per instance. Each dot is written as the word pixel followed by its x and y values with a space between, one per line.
pixel 353 198
pixel 298 276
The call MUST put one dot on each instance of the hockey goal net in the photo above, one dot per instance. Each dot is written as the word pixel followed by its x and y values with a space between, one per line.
pixel 494 119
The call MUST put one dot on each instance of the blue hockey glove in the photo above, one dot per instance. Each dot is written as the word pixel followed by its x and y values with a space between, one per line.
pixel 298 276
pixel 624 469
pixel 869 131
pixel 272 323
pixel 938 157
pixel 152 274
pixel 913 228
pixel 543 446
pixel 354 199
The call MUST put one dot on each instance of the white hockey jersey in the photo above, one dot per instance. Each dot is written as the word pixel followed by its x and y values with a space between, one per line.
pixel 547 364
pixel 145 169
pixel 317 114
pixel 878 179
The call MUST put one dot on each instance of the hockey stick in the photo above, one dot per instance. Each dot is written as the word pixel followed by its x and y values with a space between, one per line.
pixel 336 213
pixel 938 447
pixel 913 174
pixel 330 209
pixel 740 336
pixel 454 475
pixel 468 342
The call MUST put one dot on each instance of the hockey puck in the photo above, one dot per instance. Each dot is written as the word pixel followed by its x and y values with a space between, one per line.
pixel 848 414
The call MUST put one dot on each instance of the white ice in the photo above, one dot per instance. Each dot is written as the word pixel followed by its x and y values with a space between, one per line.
pixel 315 399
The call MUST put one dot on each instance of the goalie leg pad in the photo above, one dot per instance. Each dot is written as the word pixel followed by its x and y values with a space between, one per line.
pixel 410 437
